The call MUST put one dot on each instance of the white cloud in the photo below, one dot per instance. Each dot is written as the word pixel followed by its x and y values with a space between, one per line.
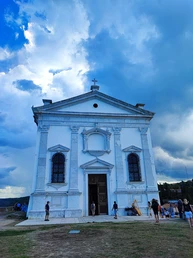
pixel 5 54
pixel 12 192
pixel 162 178
pixel 180 129
pixel 55 42
pixel 22 176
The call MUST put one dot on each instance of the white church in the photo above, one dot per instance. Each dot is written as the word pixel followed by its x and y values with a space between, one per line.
pixel 92 147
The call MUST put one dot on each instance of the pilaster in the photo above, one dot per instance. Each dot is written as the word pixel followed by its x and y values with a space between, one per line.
pixel 41 167
pixel 118 159
pixel 73 183
pixel 150 180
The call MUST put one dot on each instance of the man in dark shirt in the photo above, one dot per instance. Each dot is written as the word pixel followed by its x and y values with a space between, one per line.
pixel 154 207
pixel 47 210
pixel 115 209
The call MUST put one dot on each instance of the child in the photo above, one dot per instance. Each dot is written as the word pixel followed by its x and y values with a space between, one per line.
pixel 166 213
pixel 93 208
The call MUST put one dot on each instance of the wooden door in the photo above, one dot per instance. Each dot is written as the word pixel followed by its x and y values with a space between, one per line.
pixel 98 192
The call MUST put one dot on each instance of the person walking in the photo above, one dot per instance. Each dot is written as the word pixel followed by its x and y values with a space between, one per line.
pixel 180 204
pixel 93 208
pixel 47 210
pixel 155 206
pixel 188 212
pixel 115 209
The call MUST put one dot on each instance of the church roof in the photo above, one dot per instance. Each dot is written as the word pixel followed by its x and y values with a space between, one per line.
pixel 62 106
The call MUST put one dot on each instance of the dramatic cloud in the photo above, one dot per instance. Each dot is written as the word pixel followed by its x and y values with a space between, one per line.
pixel 140 52
pixel 26 85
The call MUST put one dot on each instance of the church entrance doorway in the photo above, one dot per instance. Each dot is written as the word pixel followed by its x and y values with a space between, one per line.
pixel 97 191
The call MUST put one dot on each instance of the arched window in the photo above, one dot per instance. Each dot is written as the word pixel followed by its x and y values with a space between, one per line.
pixel 134 167
pixel 58 168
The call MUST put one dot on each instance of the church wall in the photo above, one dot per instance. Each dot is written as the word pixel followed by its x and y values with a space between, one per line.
pixel 59 196
pixel 59 135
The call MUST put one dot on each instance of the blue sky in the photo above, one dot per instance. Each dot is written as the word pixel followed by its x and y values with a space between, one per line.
pixel 141 51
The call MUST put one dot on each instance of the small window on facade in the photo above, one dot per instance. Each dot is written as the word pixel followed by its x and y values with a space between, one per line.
pixel 134 168
pixel 58 168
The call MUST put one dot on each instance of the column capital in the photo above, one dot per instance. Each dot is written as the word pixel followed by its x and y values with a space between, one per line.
pixel 43 128
pixel 143 130
pixel 74 129
pixel 116 130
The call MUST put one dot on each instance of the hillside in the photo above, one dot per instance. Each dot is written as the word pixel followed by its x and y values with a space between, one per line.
pixel 176 191
pixel 6 202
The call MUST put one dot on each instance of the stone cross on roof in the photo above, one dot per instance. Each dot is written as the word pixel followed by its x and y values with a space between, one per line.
pixel 94 87
pixel 94 80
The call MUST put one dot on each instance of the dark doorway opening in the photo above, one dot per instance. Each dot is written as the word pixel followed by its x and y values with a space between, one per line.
pixel 97 189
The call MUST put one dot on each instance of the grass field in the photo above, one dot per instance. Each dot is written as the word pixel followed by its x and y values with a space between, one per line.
pixel 99 240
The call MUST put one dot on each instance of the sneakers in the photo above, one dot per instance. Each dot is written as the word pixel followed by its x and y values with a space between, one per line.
pixel 46 220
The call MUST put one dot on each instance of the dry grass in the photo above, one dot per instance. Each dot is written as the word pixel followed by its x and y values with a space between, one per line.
pixel 100 240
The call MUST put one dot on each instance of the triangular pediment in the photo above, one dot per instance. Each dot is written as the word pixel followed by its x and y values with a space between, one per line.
pixel 92 102
pixel 96 164
pixel 132 148
pixel 58 148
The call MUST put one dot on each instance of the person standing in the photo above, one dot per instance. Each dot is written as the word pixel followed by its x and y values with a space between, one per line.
pixel 47 210
pixel 115 209
pixel 155 206
pixel 149 209
pixel 188 212
pixel 180 204
pixel 93 208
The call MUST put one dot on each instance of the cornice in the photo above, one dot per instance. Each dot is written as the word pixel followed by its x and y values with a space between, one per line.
pixel 91 114
pixel 88 96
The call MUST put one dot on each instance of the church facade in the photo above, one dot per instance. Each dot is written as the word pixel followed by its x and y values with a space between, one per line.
pixel 92 147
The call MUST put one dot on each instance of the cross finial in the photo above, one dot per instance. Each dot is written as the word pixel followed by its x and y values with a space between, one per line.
pixel 94 87
pixel 94 80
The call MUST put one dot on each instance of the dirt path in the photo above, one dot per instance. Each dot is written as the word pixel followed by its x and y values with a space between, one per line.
pixel 9 223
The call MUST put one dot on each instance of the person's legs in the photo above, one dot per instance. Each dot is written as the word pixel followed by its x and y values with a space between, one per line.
pixel 189 222
pixel 115 213
pixel 156 216
pixel 188 217
pixel 47 216
pixel 191 219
